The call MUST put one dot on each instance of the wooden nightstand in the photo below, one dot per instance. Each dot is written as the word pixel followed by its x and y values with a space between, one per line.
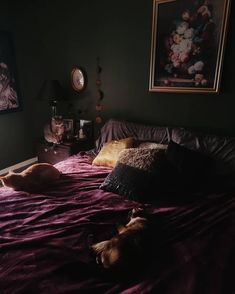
pixel 62 151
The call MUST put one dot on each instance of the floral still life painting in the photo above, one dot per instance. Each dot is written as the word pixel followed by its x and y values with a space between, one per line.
pixel 188 40
pixel 9 93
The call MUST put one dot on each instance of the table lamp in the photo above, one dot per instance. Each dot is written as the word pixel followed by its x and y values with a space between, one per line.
pixel 52 91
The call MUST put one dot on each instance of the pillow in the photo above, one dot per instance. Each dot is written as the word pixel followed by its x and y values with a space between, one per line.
pixel 192 168
pixel 109 153
pixel 135 173
pixel 116 130
pixel 220 149
pixel 152 145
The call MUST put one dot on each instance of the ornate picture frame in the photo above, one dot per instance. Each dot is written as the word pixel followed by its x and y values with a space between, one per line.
pixel 188 44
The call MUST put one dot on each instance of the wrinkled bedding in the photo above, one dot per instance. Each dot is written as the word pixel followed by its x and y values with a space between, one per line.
pixel 44 249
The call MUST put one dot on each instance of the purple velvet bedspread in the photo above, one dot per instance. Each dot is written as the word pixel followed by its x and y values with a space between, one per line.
pixel 43 239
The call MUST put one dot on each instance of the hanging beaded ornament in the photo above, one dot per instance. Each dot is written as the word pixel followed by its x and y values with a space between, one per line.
pixel 100 93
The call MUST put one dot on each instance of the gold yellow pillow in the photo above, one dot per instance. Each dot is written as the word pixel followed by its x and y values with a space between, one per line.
pixel 109 153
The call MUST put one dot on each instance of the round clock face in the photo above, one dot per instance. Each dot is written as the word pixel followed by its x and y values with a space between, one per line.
pixel 78 79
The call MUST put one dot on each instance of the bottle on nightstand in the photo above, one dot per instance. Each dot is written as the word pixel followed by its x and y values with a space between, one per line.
pixel 82 141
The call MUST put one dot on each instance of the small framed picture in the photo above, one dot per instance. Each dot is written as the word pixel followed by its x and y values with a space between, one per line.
pixel 68 127
pixel 84 129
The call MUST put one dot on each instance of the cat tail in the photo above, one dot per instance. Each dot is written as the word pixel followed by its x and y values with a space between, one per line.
pixel 10 172
pixel 3 177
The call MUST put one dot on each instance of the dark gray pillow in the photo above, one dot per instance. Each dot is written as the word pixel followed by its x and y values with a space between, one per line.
pixel 192 168
pixel 136 172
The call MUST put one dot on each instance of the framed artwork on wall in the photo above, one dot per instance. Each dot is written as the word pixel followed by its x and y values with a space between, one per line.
pixel 85 128
pixel 9 89
pixel 188 43
pixel 68 128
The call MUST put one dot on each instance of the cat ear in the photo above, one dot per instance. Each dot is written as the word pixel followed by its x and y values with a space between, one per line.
pixel 99 247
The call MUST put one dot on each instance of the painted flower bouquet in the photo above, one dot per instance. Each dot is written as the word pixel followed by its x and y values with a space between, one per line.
pixel 189 44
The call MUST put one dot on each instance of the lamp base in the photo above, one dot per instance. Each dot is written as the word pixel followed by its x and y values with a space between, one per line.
pixel 54 108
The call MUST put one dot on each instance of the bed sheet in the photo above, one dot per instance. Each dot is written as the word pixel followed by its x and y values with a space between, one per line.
pixel 44 249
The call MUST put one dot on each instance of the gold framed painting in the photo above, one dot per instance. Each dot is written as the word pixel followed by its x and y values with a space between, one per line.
pixel 188 44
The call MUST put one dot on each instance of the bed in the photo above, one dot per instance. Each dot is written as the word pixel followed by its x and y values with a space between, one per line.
pixel 43 237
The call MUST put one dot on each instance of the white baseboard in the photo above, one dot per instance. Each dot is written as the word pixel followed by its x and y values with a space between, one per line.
pixel 19 165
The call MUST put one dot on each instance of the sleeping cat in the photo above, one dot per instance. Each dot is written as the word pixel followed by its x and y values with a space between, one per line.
pixel 129 247
pixel 53 132
pixel 32 179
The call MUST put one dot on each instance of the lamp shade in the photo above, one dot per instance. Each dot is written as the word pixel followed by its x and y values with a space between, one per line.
pixel 51 90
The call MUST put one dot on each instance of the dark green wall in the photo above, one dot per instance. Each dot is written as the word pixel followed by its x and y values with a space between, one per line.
pixel 19 129
pixel 53 36
pixel 120 33
pixel 15 133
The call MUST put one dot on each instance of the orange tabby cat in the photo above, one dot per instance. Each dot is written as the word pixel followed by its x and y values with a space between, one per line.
pixel 32 179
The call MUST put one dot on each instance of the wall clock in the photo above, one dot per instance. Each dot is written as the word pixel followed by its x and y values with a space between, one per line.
pixel 78 79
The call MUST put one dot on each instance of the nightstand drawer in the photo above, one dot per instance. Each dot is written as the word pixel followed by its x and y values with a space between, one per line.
pixel 47 153
pixel 52 155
